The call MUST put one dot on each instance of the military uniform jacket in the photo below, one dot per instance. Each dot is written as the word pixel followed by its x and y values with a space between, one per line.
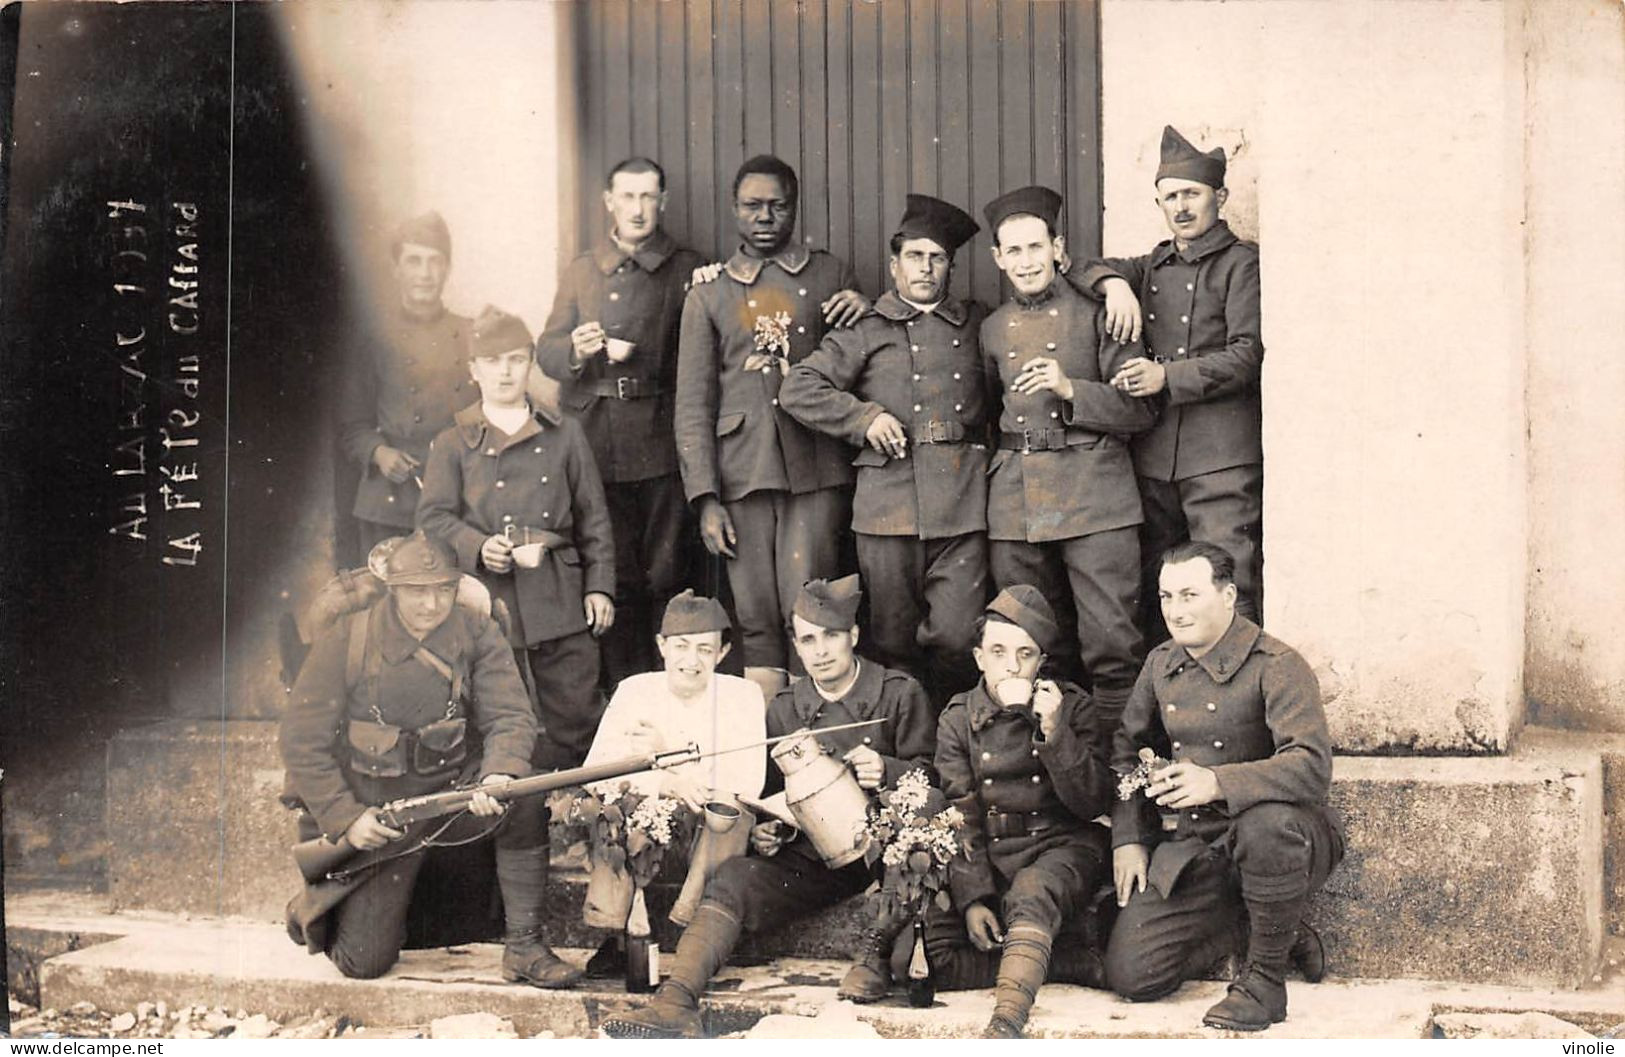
pixel 478 481
pixel 905 741
pixel 993 759
pixel 638 298
pixel 1088 485
pixel 410 695
pixel 1202 324
pixel 410 380
pixel 1250 710
pixel 733 438
pixel 923 368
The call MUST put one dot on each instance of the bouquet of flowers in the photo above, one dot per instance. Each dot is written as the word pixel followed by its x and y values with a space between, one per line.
pixel 634 832
pixel 1140 777
pixel 772 343
pixel 914 831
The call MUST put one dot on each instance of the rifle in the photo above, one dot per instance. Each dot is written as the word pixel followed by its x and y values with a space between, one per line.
pixel 320 859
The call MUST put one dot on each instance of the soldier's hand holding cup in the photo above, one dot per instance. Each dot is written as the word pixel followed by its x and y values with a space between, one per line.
pixel 587 340
pixel 497 553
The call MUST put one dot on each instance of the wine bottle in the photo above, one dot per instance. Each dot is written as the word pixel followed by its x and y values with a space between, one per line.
pixel 922 982
pixel 642 953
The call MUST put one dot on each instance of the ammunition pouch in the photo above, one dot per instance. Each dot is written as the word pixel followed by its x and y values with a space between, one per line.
pixel 440 746
pixel 380 750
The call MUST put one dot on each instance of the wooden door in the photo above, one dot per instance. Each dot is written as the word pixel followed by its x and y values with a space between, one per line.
pixel 963 99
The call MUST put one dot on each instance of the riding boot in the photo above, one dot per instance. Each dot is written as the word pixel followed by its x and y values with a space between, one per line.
pixel 675 1011
pixel 526 957
pixel 1022 968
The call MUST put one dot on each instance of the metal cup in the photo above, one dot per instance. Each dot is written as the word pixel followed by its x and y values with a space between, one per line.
pixel 1014 692
pixel 618 349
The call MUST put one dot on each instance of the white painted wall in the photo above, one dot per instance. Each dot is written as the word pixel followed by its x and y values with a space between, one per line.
pixel 1383 175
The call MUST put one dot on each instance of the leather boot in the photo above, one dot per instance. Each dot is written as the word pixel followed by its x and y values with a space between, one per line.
pixel 1022 968
pixel 869 978
pixel 1253 1003
pixel 609 961
pixel 1309 954
pixel 526 957
pixel 1258 998
pixel 675 1011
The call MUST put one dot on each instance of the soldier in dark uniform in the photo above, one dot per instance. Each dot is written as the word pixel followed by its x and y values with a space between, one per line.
pixel 505 481
pixel 1026 763
pixel 773 496
pixel 423 668
pixel 1201 467
pixel 408 380
pixel 1063 512
pixel 1236 828
pixel 787 880
pixel 905 386
pixel 611 343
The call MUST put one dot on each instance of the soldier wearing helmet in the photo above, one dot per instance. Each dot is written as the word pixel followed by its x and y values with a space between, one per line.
pixel 401 682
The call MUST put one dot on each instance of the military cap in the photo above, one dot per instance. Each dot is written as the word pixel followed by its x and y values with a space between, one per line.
pixel 830 603
pixel 1182 161
pixel 1035 201
pixel 421 560
pixel 1025 606
pixel 427 230
pixel 496 332
pixel 691 614
pixel 943 223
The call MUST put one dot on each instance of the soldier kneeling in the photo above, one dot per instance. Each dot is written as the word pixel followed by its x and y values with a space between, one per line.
pixel 1023 759
pixel 398 683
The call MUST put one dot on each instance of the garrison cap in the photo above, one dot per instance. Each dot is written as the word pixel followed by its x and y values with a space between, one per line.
pixel 830 603
pixel 1182 161
pixel 691 614
pixel 418 559
pixel 1024 606
pixel 1035 201
pixel 496 332
pixel 943 223
pixel 426 230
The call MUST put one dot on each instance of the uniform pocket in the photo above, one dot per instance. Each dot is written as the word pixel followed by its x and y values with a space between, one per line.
pixel 440 746
pixel 376 749
pixel 730 423
pixel 868 456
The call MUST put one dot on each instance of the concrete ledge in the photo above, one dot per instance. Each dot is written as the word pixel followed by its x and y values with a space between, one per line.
pixel 253 966
pixel 1486 870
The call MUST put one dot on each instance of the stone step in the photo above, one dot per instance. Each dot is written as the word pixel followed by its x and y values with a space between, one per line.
pixel 249 965
pixel 1482 869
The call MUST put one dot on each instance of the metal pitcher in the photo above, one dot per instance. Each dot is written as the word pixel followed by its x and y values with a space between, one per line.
pixel 825 798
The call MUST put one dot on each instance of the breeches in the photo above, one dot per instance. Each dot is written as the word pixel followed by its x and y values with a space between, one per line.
pixel 928 595
pixel 1225 507
pixel 784 540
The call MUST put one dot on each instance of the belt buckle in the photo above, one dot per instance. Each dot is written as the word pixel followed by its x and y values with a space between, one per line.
pixel 1027 441
pixel 621 387
pixel 937 431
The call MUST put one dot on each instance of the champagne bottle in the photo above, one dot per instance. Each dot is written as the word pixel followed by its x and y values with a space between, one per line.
pixel 642 953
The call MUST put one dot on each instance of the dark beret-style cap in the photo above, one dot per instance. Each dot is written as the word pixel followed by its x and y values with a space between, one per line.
pixel 496 332
pixel 421 559
pixel 1182 161
pixel 942 222
pixel 1035 201
pixel 830 603
pixel 691 614
pixel 1025 606
pixel 426 230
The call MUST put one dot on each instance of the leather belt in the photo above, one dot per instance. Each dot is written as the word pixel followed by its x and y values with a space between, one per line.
pixel 1017 823
pixel 1052 438
pixel 937 432
pixel 1172 820
pixel 626 388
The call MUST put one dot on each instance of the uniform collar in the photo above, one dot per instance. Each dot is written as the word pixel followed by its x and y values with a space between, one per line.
pixel 898 310
pixel 1211 241
pixel 472 424
pixel 860 700
pixel 983 710
pixel 396 644
pixel 745 268
pixel 1226 657
pixel 1059 288
pixel 651 253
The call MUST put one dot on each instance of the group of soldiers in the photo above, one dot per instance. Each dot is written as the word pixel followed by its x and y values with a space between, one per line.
pixel 1032 494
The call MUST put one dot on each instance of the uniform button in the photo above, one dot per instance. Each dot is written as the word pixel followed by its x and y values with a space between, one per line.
pixel 490 451
pixel 768 369
pixel 1176 745
pixel 1151 315
pixel 1218 745
pixel 1054 312
pixel 1036 779
pixel 544 476
pixel 1195 817
pixel 802 292
pixel 1184 319
pixel 1172 708
pixel 775 402
pixel 1153 289
pixel 547 513
pixel 956 376
pixel 916 407
pixel 868 741
pixel 1054 414
pixel 507 517
pixel 1050 346
pixel 417 418
pixel 987 781
pixel 913 348
pixel 1021 418
pixel 1012 355
pixel 1190 286
pixel 987 755
pixel 910 323
pixel 538 451
pixel 801 330
pixel 613 296
pixel 916 377
pixel 389 499
pixel 959 407
pixel 1211 707
pixel 1035 753
pixel 502 484
pixel 1181 350
pixel 955 344
pixel 751 303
